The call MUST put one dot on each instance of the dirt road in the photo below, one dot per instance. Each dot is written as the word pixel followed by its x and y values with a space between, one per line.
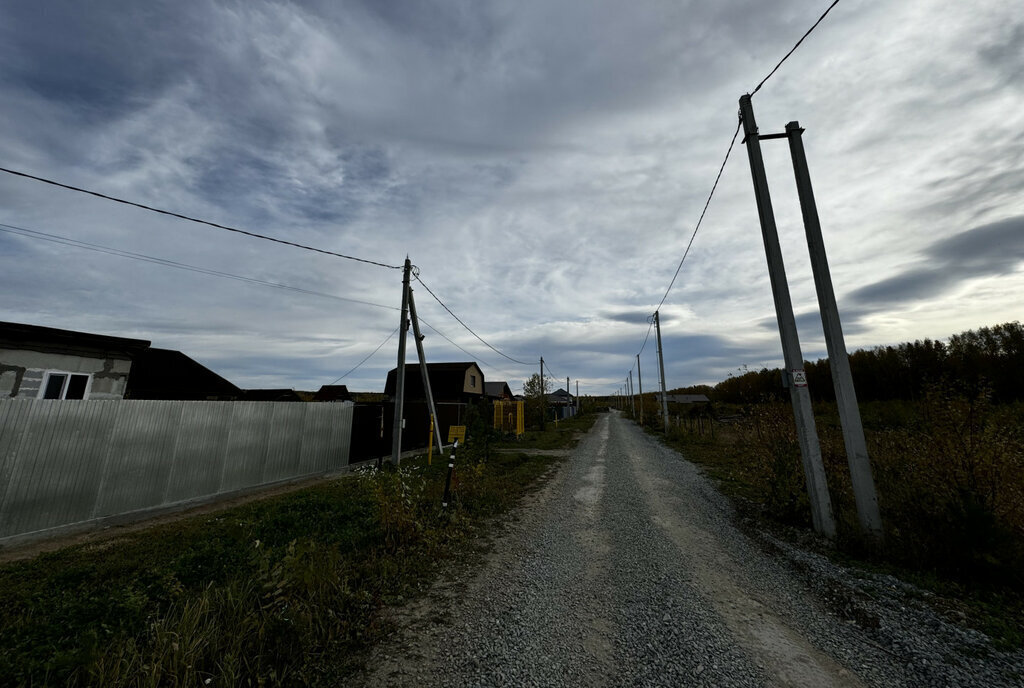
pixel 627 569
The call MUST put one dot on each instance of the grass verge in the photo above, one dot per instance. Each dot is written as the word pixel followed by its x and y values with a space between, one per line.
pixel 283 591
pixel 949 484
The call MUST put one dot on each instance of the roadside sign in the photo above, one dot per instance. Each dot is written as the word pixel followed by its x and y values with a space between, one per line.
pixel 457 432
pixel 799 378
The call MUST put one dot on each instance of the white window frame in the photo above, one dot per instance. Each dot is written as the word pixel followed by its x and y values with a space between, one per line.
pixel 67 380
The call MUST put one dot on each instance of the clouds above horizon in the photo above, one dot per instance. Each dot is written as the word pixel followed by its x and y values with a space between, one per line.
pixel 542 163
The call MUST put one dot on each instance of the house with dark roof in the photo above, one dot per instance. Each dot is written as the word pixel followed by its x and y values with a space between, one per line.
pixel 333 393
pixel 171 375
pixel 49 363
pixel 458 383
pixel 455 387
pixel 498 391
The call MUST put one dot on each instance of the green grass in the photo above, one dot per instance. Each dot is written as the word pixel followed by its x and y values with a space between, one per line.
pixel 284 591
pixel 561 435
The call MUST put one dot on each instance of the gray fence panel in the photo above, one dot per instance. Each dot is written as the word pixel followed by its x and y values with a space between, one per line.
pixel 24 502
pixel 13 427
pixel 285 442
pixel 68 462
pixel 198 464
pixel 140 451
pixel 246 452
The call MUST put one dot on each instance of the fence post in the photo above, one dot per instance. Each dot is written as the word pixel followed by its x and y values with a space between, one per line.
pixel 807 434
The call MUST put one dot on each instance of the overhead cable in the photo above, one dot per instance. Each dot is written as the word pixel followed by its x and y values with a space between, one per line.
pixel 386 340
pixel 67 241
pixel 700 220
pixel 793 49
pixel 468 329
pixel 197 220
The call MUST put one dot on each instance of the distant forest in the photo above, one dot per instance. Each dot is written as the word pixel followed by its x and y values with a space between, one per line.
pixel 987 360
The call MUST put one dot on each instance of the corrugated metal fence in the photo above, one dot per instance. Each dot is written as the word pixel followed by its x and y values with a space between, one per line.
pixel 68 462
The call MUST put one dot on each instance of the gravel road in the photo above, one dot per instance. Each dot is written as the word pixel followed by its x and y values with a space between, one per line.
pixel 627 569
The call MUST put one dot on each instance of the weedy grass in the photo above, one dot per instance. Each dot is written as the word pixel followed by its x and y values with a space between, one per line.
pixel 283 591
pixel 949 472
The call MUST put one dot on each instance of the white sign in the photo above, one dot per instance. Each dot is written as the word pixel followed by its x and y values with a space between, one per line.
pixel 799 378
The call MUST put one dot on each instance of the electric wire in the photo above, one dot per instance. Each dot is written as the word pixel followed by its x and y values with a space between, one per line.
pixel 358 365
pixel 793 49
pixel 468 329
pixel 703 212
pixel 98 248
pixel 197 220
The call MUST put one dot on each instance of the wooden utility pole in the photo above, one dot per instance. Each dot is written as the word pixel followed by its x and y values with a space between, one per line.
pixel 839 360
pixel 423 372
pixel 807 434
pixel 661 366
pixel 396 432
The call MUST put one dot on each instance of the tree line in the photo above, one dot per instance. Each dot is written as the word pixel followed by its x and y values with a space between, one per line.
pixel 988 359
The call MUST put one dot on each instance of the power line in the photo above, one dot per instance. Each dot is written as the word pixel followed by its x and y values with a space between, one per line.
pixel 196 220
pixel 468 329
pixel 703 212
pixel 97 248
pixel 386 340
pixel 793 49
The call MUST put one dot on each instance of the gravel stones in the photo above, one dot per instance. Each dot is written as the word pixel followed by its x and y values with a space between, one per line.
pixel 627 570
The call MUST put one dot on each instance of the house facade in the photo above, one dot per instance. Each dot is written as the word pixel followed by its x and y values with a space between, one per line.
pixel 49 363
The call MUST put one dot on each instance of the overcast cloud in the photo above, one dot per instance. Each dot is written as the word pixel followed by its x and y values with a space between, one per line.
pixel 542 162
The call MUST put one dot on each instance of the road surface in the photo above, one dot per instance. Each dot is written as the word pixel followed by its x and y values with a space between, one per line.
pixel 627 569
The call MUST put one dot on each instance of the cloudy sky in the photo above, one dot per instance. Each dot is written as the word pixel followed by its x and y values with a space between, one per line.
pixel 542 162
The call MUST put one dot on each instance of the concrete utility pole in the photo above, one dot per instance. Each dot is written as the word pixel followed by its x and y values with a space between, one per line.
pixel 423 371
pixel 640 385
pixel 661 366
pixel 396 433
pixel 567 395
pixel 839 360
pixel 542 398
pixel 632 397
pixel 807 434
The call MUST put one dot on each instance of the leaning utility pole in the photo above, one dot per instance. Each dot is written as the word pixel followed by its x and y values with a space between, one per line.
pixel 396 433
pixel 807 434
pixel 640 384
pixel 661 365
pixel 839 360
pixel 423 372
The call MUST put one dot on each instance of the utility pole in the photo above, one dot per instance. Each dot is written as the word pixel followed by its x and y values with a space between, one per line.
pixel 396 433
pixel 661 366
pixel 632 397
pixel 423 371
pixel 640 384
pixel 577 396
pixel 839 361
pixel 542 397
pixel 810 449
pixel 567 395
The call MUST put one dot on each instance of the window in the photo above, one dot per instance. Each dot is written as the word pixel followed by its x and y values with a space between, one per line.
pixel 472 380
pixel 65 386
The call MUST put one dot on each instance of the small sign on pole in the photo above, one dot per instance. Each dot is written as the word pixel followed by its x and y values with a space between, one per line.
pixel 799 378
pixel 457 433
